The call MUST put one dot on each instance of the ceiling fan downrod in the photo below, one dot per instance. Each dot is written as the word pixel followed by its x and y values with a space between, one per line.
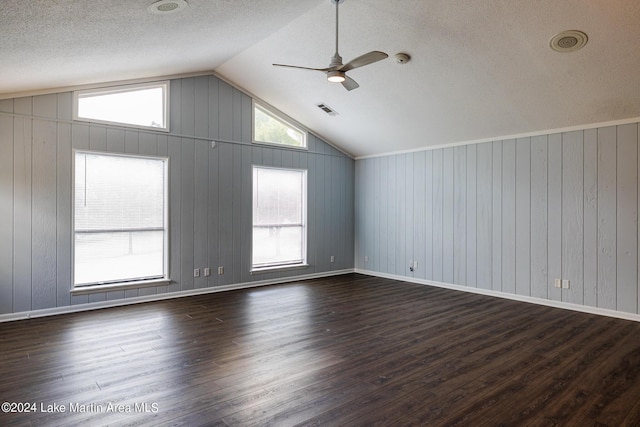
pixel 336 76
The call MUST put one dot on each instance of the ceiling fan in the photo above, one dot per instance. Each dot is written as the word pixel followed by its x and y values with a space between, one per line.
pixel 336 71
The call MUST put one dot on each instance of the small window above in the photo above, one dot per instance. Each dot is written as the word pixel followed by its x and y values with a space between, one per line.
pixel 140 105
pixel 269 128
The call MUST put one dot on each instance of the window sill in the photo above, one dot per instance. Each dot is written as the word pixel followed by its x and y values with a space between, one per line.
pixel 278 268
pixel 121 124
pixel 275 144
pixel 91 289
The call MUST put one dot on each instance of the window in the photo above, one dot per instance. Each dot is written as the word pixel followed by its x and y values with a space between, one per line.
pixel 120 218
pixel 143 105
pixel 271 129
pixel 279 217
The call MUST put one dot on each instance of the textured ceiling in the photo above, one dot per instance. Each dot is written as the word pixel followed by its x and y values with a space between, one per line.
pixel 57 43
pixel 479 69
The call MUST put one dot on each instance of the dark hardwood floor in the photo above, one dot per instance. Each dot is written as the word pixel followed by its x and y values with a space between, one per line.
pixel 349 350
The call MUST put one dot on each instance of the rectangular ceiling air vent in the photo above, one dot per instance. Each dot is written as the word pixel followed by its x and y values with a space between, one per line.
pixel 330 111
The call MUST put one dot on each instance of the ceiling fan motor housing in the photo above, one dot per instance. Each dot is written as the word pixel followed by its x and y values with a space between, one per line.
pixel 336 61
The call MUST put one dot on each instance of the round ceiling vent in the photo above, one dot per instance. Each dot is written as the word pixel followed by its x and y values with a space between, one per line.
pixel 167 6
pixel 568 41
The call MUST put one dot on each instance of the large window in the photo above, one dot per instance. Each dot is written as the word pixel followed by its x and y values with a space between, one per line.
pixel 279 217
pixel 272 129
pixel 141 105
pixel 120 218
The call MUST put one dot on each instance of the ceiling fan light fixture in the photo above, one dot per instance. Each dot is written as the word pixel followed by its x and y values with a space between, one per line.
pixel 336 76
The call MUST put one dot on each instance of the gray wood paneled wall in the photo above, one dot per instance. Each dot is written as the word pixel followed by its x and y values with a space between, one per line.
pixel 210 193
pixel 510 216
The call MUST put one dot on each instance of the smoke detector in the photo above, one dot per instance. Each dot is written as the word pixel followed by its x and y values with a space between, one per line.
pixel 163 7
pixel 402 58
pixel 568 41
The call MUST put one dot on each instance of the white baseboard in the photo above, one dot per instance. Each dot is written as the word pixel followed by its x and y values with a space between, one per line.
pixel 170 295
pixel 522 298
pixel 149 298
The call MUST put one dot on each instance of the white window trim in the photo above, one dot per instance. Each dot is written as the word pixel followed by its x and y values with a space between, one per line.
pixel 284 119
pixel 284 267
pixel 289 265
pixel 102 287
pixel 90 289
pixel 107 90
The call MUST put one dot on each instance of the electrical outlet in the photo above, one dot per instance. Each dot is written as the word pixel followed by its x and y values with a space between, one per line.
pixel 220 270
pixel 366 258
pixel 196 272
pixel 207 272
pixel 565 284
pixel 333 259
pixel 558 283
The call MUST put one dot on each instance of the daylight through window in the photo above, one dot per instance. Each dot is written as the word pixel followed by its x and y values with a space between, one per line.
pixel 120 218
pixel 136 105
pixel 279 217
pixel 271 129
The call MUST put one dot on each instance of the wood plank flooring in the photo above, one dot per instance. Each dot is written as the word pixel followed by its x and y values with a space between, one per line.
pixel 350 350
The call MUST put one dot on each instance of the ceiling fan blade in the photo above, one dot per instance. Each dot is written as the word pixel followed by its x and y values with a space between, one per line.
pixel 324 70
pixel 366 59
pixel 349 83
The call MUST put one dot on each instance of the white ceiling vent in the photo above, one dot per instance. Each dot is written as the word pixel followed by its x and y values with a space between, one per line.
pixel 568 41
pixel 324 107
pixel 162 7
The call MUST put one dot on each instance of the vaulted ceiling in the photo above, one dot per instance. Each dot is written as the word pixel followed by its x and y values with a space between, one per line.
pixel 479 69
